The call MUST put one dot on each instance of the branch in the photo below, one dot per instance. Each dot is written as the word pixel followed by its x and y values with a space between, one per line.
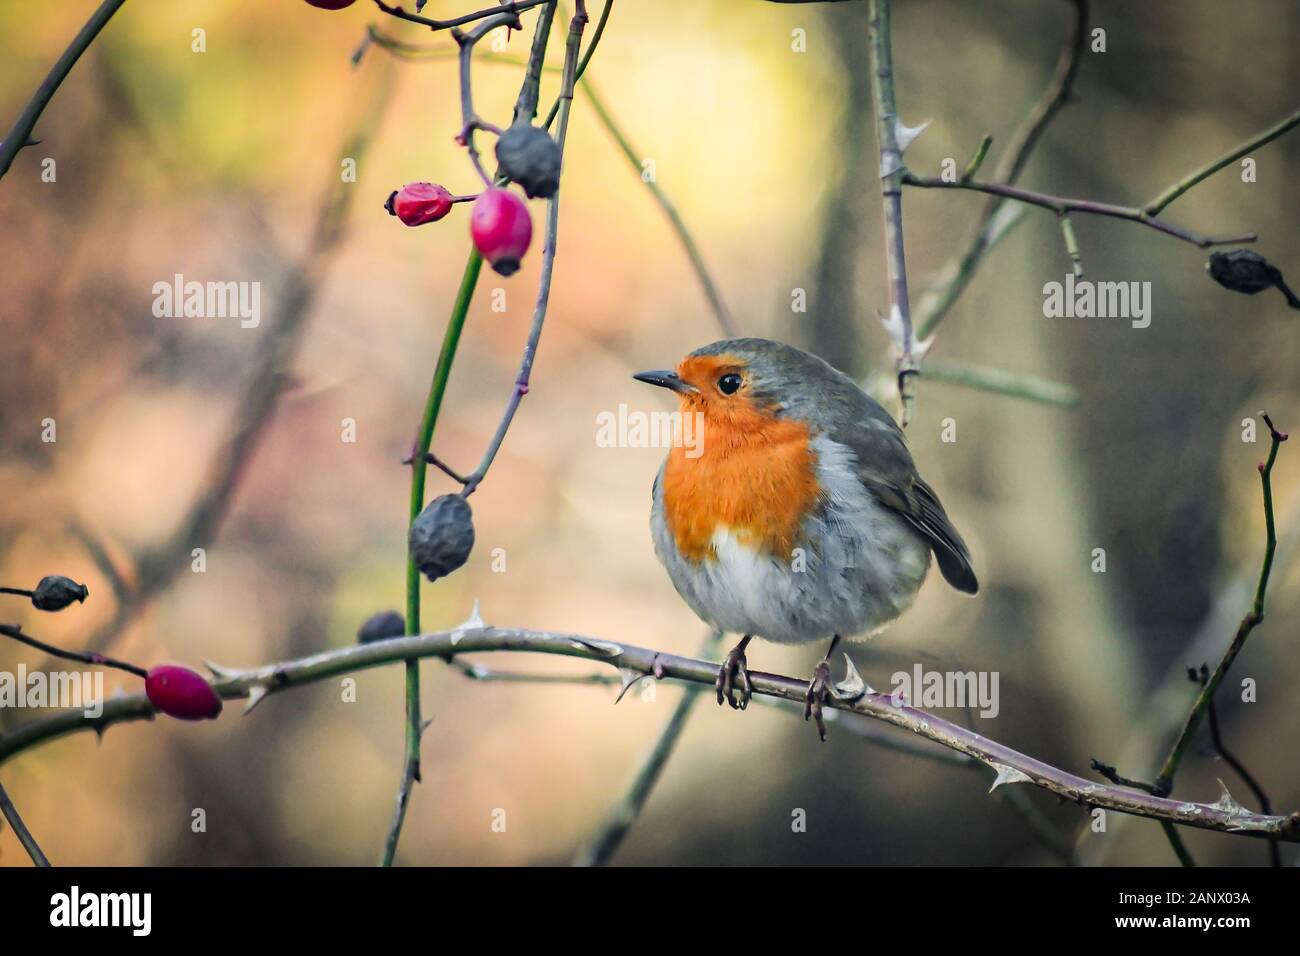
pixel 1062 205
pixel 511 8
pixel 1164 782
pixel 1001 382
pixel 20 830
pixel 899 322
pixel 20 135
pixel 1155 206
pixel 1010 765
pixel 15 632
pixel 956 275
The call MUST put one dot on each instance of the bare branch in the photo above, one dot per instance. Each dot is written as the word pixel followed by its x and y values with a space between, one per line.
pixel 20 830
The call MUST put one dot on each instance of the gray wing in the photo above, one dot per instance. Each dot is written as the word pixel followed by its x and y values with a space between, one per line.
pixel 886 469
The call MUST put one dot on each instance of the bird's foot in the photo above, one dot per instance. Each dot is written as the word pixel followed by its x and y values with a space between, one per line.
pixel 819 689
pixel 733 684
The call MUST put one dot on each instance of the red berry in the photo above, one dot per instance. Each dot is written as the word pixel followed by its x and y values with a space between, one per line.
pixel 501 228
pixel 331 4
pixel 418 203
pixel 181 693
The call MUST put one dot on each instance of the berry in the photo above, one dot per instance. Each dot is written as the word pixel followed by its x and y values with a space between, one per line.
pixel 56 592
pixel 1242 270
pixel 531 158
pixel 501 229
pixel 380 627
pixel 331 4
pixel 418 203
pixel 181 693
pixel 442 536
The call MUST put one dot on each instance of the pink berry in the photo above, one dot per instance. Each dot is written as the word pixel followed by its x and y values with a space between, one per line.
pixel 181 693
pixel 418 203
pixel 331 4
pixel 501 229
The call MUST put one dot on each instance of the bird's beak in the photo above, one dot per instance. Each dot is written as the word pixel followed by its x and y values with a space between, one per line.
pixel 665 378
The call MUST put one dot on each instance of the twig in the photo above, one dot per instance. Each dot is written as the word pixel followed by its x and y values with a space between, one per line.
pixel 524 376
pixel 20 830
pixel 512 8
pixel 1155 206
pixel 605 842
pixel 84 657
pixel 1012 766
pixel 1216 736
pixel 899 322
pixel 1063 204
pixel 470 120
pixel 1071 244
pixel 20 135
pixel 1001 382
pixel 1164 782
pixel 956 275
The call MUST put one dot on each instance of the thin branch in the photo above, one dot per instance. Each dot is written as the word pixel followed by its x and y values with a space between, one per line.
pixel 20 830
pixel 21 133
pixel 512 8
pixel 1164 782
pixel 15 632
pixel 524 375
pixel 1063 204
pixel 471 122
pixel 957 273
pixel 1155 206
pixel 1011 765
pixel 1216 736
pixel 1001 382
pixel 899 322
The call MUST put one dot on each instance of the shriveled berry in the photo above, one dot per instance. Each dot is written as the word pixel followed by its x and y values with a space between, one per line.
pixel 442 536
pixel 1242 270
pixel 56 592
pixel 181 693
pixel 380 627
pixel 501 229
pixel 531 158
pixel 331 4
pixel 418 203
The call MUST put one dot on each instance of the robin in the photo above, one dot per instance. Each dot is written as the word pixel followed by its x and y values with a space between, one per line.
pixel 800 515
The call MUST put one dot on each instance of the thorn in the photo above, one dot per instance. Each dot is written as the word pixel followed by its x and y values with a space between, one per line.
pixel 629 677
pixel 256 694
pixel 219 672
pixel 906 135
pixel 853 687
pixel 1008 775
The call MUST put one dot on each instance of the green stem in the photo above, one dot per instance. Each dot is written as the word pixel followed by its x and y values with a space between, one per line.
pixel 22 130
pixel 1155 206
pixel 419 469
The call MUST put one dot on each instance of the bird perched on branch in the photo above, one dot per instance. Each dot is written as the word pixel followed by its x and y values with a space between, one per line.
pixel 800 515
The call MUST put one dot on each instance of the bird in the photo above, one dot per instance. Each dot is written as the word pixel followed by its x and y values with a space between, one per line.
pixel 796 514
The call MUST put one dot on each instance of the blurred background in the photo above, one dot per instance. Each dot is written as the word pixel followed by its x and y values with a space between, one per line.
pixel 214 165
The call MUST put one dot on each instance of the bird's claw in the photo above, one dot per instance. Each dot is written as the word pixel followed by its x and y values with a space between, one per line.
pixel 819 689
pixel 733 677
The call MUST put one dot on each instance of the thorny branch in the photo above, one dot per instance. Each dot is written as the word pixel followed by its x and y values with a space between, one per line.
pixel 1010 766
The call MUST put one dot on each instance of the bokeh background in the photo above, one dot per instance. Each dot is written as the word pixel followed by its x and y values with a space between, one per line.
pixel 214 165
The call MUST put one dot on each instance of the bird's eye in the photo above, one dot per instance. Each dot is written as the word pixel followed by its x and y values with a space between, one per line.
pixel 729 384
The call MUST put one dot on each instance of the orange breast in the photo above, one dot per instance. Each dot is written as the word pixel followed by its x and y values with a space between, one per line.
pixel 756 475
